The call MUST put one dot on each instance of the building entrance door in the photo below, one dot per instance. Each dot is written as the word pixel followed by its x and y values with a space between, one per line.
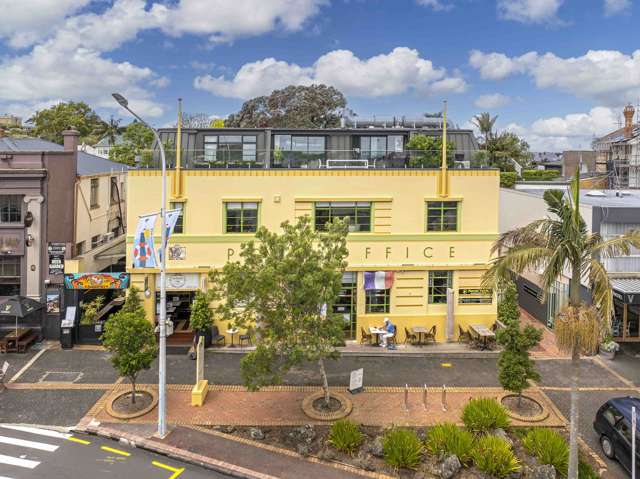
pixel 346 305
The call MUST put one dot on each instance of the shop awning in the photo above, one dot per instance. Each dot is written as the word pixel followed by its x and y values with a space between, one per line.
pixel 626 290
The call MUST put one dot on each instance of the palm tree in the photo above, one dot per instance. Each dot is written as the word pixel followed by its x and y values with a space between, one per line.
pixel 109 130
pixel 557 244
pixel 485 123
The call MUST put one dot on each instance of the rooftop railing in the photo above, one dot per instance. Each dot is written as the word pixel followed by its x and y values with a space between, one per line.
pixel 324 159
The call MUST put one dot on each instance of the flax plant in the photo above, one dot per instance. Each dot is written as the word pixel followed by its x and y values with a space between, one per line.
pixel 559 245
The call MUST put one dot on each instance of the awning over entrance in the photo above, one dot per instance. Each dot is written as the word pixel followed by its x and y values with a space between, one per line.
pixel 626 290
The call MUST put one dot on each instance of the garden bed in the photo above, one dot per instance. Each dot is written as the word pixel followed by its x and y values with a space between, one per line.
pixel 476 446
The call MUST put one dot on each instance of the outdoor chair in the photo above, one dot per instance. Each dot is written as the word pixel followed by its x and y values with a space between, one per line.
pixel 463 336
pixel 431 335
pixel 410 337
pixel 364 336
pixel 246 337
pixel 216 337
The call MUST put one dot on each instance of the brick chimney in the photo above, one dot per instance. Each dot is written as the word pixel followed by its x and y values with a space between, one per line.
pixel 628 112
pixel 71 139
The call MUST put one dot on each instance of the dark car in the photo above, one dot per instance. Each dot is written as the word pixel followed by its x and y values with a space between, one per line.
pixel 613 424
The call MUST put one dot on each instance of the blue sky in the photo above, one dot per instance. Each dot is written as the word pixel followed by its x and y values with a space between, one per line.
pixel 557 72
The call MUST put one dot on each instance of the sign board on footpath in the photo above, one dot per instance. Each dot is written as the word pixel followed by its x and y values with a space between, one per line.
pixel 355 381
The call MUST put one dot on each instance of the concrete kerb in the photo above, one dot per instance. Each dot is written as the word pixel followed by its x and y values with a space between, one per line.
pixel 170 451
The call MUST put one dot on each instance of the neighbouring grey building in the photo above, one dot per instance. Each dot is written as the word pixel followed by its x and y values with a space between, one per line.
pixel 609 213
pixel 367 145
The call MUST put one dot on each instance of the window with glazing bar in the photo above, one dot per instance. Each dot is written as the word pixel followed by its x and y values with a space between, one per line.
pixel 377 300
pixel 227 148
pixel 442 215
pixel 178 205
pixel 358 213
pixel 439 281
pixel 10 208
pixel 241 217
pixel 93 196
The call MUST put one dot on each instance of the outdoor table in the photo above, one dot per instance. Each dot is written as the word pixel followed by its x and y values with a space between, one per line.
pixel 14 336
pixel 420 330
pixel 483 334
pixel 232 332
pixel 376 332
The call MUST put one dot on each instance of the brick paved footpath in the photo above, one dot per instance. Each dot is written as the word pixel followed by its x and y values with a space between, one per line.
pixel 282 406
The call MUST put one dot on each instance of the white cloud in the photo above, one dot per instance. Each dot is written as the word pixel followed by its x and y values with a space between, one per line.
pixel 530 11
pixel 396 72
pixel 436 5
pixel 492 100
pixel 614 7
pixel 572 131
pixel 606 77
pixel 25 22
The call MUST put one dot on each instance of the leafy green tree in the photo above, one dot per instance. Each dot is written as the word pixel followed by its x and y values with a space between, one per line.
pixel 201 313
pixel 507 146
pixel 515 367
pixel 138 135
pixel 133 303
pixel 555 244
pixel 287 284
pixel 132 342
pixel 485 123
pixel 51 122
pixel 508 309
pixel 427 151
pixel 314 106
pixel 124 153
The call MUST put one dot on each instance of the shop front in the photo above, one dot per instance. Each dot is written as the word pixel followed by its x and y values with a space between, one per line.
pixel 625 325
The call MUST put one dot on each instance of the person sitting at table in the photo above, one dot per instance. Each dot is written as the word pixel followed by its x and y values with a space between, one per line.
pixel 390 329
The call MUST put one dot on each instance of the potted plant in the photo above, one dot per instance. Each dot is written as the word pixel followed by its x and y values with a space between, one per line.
pixel 608 347
pixel 201 318
pixel 87 331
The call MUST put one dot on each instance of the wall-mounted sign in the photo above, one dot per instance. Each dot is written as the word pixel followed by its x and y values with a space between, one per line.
pixel 177 281
pixel 57 248
pixel 177 252
pixel 12 242
pixel 53 303
pixel 96 281
pixel 56 258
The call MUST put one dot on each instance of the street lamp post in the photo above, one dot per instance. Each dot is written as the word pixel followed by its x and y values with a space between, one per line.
pixel 162 375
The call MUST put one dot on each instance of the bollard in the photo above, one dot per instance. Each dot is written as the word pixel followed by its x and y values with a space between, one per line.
pixel 444 398
pixel 406 397
pixel 424 397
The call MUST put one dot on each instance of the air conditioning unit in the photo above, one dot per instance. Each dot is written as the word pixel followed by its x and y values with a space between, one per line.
pixel 107 237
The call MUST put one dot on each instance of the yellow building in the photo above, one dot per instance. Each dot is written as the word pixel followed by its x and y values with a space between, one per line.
pixel 433 229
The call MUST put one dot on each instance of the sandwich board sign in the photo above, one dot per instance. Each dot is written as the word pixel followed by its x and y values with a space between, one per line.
pixel 355 381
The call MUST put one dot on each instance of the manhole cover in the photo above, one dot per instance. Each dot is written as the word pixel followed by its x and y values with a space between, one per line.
pixel 60 377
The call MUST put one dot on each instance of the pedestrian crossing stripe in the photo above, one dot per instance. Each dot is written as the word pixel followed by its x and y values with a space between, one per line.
pixel 41 446
pixel 37 430
pixel 80 441
pixel 16 461
pixel 176 470
pixel 115 451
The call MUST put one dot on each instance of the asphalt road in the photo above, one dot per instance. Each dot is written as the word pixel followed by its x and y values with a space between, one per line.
pixel 37 453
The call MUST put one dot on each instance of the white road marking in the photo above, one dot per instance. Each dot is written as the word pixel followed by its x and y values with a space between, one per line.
pixel 41 446
pixel 14 461
pixel 5 477
pixel 37 430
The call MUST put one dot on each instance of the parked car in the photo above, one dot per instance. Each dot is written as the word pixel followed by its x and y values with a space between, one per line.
pixel 613 425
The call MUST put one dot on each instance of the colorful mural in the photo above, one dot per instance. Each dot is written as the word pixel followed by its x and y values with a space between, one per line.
pixel 96 281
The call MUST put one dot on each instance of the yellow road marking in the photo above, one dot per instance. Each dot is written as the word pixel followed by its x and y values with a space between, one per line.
pixel 115 451
pixel 446 365
pixel 80 441
pixel 176 470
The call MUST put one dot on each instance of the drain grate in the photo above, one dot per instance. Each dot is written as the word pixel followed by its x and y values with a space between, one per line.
pixel 60 377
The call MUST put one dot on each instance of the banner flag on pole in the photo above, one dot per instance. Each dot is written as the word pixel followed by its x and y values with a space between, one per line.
pixel 170 220
pixel 378 280
pixel 143 251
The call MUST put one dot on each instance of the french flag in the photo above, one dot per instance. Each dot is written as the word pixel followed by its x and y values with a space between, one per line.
pixel 378 280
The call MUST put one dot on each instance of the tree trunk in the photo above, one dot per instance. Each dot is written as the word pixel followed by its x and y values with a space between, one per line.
pixel 574 415
pixel 520 400
pixel 325 382
pixel 133 391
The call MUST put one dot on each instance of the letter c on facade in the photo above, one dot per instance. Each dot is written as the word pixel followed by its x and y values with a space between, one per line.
pixel 428 252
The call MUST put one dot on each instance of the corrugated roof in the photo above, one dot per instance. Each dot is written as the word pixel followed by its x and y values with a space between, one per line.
pixel 92 165
pixel 87 164
pixel 8 143
pixel 626 285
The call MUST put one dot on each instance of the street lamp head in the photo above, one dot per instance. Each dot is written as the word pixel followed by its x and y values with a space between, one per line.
pixel 122 101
